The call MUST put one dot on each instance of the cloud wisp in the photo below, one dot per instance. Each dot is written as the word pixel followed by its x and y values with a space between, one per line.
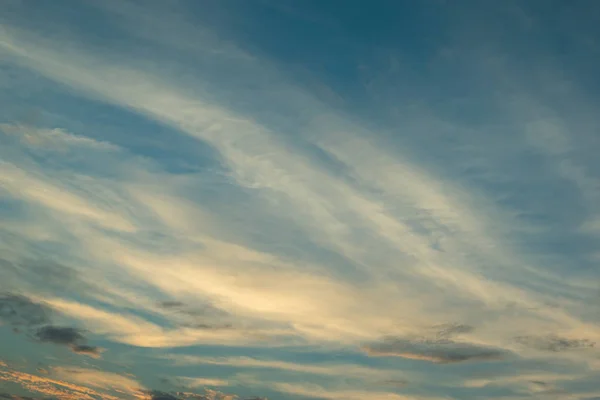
pixel 440 352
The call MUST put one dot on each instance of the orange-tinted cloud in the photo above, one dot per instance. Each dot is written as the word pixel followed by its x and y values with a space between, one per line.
pixel 60 388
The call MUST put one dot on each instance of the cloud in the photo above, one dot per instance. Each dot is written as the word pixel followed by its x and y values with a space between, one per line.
pixel 7 396
pixel 320 190
pixel 337 215
pixel 84 383
pixel 202 382
pixel 446 331
pixel 570 384
pixel 67 336
pixel 346 370
pixel 92 351
pixel 396 383
pixel 59 335
pixel 58 199
pixel 107 381
pixel 316 391
pixel 130 329
pixel 158 395
pixel 394 244
pixel 18 310
pixel 22 311
pixel 554 343
pixel 269 297
pixel 530 380
pixel 55 388
pixel 440 352
pixel 71 337
pixel 171 304
pixel 90 384
pixel 54 139
pixel 41 272
pixel 208 395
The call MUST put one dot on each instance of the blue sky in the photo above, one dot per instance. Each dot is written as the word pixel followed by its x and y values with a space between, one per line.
pixel 338 200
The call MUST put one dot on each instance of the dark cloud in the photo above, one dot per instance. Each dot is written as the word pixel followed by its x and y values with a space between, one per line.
pixel 435 351
pixel 554 343
pixel 22 312
pixel 158 395
pixel 59 335
pixel 210 395
pixel 67 336
pixel 204 326
pixel 437 344
pixel 203 310
pixel 395 382
pixel 92 351
pixel 447 331
pixel 202 317
pixel 17 310
pixel 171 304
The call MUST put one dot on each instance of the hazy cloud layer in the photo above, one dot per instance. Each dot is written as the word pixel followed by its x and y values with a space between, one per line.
pixel 554 343
pixel 299 200
pixel 441 352
pixel 18 310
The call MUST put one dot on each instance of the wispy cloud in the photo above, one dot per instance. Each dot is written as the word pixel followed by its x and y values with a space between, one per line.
pixel 441 352
pixel 299 223
pixel 324 369
pixel 387 226
pixel 98 379
pixel 314 391
pixel 52 387
pixel 554 343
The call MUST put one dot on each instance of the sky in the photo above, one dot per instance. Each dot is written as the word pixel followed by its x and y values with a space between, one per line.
pixel 299 199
